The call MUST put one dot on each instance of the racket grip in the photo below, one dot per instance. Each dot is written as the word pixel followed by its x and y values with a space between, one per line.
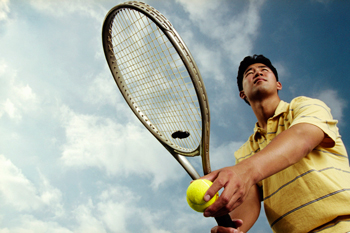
pixel 225 221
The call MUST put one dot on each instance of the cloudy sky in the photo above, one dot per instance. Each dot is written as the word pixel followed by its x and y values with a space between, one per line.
pixel 73 158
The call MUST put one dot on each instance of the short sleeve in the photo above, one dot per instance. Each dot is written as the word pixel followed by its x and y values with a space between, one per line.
pixel 315 112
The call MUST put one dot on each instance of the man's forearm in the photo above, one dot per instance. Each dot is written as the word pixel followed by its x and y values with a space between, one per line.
pixel 249 210
pixel 283 151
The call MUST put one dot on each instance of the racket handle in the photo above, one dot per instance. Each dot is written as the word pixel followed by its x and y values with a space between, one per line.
pixel 225 221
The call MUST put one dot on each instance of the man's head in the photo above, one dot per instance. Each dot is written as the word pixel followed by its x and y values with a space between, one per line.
pixel 248 61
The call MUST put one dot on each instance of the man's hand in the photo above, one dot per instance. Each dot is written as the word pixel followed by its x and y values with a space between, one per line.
pixel 236 181
pixel 219 229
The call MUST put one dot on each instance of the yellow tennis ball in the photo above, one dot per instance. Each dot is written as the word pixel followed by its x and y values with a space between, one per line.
pixel 195 194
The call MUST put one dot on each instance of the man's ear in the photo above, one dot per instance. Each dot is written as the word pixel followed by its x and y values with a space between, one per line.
pixel 242 95
pixel 279 86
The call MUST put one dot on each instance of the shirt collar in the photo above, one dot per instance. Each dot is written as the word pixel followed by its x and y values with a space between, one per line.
pixel 281 108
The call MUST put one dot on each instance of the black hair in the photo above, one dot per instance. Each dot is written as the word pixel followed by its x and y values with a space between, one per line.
pixel 250 60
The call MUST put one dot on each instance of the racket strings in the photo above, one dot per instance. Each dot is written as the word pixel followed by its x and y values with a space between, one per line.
pixel 156 77
pixel 163 62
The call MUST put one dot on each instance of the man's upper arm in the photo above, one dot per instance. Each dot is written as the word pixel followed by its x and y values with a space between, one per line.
pixel 315 112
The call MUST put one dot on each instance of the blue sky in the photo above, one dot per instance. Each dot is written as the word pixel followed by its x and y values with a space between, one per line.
pixel 73 158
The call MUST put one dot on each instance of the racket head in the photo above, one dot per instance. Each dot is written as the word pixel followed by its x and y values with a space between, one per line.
pixel 158 78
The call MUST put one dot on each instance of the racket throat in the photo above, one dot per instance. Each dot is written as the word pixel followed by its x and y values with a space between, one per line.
pixel 186 165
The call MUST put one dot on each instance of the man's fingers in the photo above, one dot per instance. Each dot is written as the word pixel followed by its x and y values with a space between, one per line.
pixel 218 229
pixel 211 176
pixel 214 229
pixel 215 187
pixel 218 208
pixel 238 222
pixel 224 205
pixel 232 195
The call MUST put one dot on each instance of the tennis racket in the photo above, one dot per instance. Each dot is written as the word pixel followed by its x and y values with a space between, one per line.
pixel 160 81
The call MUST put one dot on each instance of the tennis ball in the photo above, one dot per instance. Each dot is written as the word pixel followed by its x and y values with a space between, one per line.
pixel 195 194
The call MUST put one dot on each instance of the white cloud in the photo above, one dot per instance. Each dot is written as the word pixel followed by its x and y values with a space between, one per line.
pixel 16 98
pixel 9 108
pixel 62 7
pixel 116 206
pixel 236 35
pixel 30 224
pixel 210 60
pixel 332 99
pixel 223 155
pixel 87 222
pixel 4 9
pixel 50 196
pixel 13 186
pixel 119 206
pixel 103 91
pixel 118 149
pixel 283 72
pixel 21 194
pixel 199 8
pixel 117 209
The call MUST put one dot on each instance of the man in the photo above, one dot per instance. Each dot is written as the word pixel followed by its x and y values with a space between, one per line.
pixel 295 162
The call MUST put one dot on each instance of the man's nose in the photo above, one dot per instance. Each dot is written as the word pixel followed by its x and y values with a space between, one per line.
pixel 258 73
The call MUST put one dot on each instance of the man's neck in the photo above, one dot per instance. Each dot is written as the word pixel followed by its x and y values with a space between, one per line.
pixel 264 109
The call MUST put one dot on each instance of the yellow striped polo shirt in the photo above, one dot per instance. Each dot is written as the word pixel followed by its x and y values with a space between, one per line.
pixel 312 195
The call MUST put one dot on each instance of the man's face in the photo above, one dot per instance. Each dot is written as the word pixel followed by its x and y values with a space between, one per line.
pixel 258 81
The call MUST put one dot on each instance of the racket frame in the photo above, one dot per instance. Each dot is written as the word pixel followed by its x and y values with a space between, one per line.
pixel 185 55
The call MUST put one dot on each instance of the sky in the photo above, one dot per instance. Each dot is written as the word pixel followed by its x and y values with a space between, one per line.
pixel 74 158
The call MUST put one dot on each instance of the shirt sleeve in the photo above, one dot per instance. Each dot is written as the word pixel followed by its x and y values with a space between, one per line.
pixel 315 112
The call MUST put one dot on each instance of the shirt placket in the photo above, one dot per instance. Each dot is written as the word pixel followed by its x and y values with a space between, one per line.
pixel 271 132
